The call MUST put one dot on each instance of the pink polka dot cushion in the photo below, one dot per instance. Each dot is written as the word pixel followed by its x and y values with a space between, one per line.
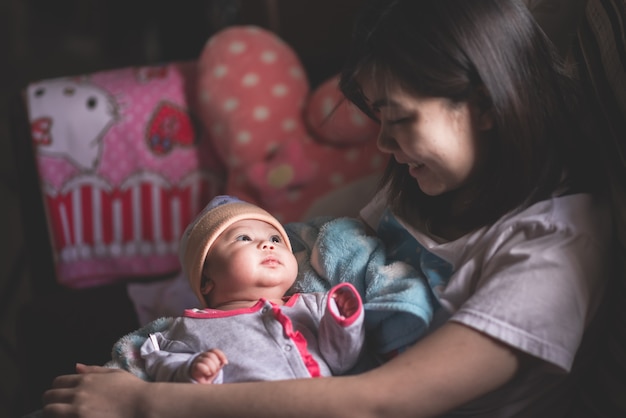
pixel 283 146
pixel 332 119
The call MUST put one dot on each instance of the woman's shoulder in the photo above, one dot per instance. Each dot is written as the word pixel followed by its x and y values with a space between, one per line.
pixel 575 219
pixel 562 217
pixel 548 223
pixel 580 213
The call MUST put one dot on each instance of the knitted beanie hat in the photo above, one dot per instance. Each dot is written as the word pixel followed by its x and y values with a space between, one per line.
pixel 215 218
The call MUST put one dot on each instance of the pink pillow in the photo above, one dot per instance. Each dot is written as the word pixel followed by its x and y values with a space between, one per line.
pixel 123 169
pixel 282 147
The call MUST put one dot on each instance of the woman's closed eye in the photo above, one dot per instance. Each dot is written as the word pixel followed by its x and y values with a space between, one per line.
pixel 390 115
pixel 398 120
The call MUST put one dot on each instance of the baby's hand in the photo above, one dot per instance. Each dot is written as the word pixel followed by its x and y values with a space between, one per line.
pixel 205 367
pixel 347 302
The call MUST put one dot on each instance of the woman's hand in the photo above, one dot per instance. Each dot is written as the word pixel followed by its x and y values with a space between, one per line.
pixel 117 395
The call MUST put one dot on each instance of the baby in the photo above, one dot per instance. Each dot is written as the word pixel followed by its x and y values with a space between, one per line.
pixel 240 264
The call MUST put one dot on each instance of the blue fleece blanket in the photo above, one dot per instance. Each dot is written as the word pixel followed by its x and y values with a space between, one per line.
pixel 126 351
pixel 397 299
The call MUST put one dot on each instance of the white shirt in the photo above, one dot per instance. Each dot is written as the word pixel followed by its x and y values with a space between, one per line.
pixel 532 280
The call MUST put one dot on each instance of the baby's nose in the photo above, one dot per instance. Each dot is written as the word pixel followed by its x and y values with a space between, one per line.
pixel 267 245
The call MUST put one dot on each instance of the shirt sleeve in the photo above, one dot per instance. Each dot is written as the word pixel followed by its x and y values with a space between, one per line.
pixel 167 360
pixel 341 338
pixel 536 290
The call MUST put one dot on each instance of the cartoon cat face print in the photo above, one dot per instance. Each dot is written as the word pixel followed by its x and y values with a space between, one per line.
pixel 69 118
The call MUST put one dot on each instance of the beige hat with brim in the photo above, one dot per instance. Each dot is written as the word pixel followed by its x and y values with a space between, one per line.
pixel 215 218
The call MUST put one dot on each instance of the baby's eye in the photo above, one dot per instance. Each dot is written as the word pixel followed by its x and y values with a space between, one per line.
pixel 243 238
pixel 276 239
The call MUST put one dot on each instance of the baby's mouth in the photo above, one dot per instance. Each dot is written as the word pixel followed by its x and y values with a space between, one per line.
pixel 270 261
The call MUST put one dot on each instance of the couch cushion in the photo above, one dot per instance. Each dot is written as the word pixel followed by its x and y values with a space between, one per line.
pixel 123 169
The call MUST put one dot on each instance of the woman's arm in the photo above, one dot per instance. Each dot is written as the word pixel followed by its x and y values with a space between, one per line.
pixel 443 371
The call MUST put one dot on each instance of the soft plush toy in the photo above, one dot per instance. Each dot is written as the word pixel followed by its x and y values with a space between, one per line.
pixel 123 169
pixel 294 152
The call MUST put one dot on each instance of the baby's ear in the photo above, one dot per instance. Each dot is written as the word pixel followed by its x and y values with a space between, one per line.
pixel 207 285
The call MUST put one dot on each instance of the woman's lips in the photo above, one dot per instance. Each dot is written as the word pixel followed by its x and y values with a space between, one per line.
pixel 415 168
pixel 415 165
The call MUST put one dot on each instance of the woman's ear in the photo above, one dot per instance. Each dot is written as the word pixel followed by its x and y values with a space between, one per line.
pixel 483 109
pixel 485 119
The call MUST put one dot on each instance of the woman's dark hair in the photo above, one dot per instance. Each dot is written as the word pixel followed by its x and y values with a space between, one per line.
pixel 456 49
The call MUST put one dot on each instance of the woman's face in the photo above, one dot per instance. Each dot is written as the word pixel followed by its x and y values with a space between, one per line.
pixel 438 141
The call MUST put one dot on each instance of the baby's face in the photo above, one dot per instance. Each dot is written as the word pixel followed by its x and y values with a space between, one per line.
pixel 249 260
